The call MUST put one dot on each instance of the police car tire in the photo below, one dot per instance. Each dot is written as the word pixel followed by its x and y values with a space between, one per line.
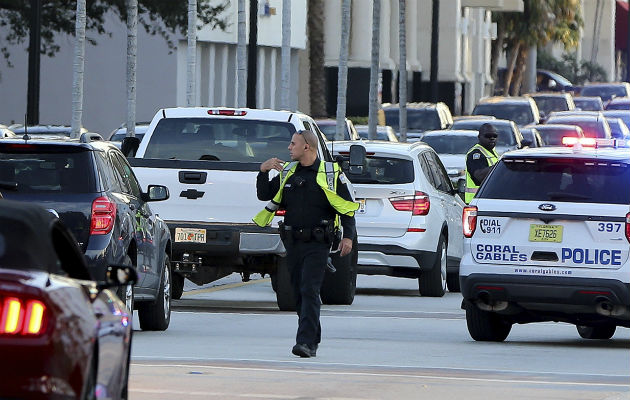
pixel 485 326
pixel 432 283
pixel 177 286
pixel 452 282
pixel 340 287
pixel 154 316
pixel 283 287
pixel 596 332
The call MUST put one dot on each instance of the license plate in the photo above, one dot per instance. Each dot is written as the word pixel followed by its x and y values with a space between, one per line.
pixel 361 209
pixel 190 235
pixel 545 233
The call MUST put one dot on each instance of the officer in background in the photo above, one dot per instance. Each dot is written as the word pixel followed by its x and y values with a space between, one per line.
pixel 316 199
pixel 480 159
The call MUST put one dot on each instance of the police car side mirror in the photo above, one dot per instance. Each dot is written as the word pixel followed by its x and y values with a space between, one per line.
pixel 356 159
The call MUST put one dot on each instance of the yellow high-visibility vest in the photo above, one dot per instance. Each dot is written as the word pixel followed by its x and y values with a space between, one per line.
pixel 471 187
pixel 327 175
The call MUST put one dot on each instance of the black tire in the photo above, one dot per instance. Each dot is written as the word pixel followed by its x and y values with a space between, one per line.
pixel 126 293
pixel 432 283
pixel 89 387
pixel 596 332
pixel 156 316
pixel 452 282
pixel 485 326
pixel 283 287
pixel 177 286
pixel 340 287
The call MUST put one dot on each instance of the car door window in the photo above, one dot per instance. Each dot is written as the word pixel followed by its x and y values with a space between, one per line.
pixel 424 164
pixel 439 173
pixel 120 173
pixel 108 175
pixel 127 174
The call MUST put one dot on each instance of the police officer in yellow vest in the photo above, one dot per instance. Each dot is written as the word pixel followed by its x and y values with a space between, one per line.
pixel 316 200
pixel 480 159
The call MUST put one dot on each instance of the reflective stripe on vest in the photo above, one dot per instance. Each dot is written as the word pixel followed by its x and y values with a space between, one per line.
pixel 471 187
pixel 327 174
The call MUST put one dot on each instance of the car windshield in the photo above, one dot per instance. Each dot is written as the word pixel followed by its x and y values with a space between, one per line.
pixel 330 131
pixel 549 104
pixel 381 134
pixel 384 171
pixel 450 144
pixel 588 104
pixel 45 172
pixel 558 179
pixel 504 131
pixel 417 120
pixel 219 139
pixel 605 92
pixel 553 137
pixel 521 114
pixel 618 106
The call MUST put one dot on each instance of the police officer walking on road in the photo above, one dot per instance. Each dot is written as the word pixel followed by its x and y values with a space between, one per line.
pixel 316 199
pixel 480 159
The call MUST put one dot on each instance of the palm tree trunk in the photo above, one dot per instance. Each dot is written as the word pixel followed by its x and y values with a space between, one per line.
pixel 496 50
pixel 374 70
pixel 132 49
pixel 285 65
pixel 519 71
pixel 342 79
pixel 402 68
pixel 191 55
pixel 317 79
pixel 509 71
pixel 241 57
pixel 77 70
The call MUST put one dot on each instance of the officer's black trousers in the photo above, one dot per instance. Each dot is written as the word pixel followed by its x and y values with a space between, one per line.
pixel 307 266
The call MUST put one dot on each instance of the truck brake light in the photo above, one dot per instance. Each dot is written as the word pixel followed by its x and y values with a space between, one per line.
pixel 469 221
pixel 229 112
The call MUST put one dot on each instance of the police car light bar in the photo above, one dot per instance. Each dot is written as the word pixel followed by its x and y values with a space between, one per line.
pixel 572 141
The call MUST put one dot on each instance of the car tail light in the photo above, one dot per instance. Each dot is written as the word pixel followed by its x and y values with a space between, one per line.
pixel 628 227
pixel 22 317
pixel 280 212
pixel 230 112
pixel 418 204
pixel 103 216
pixel 469 221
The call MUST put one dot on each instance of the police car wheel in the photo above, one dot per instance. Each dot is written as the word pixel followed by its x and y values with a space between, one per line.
pixel 340 287
pixel 486 326
pixel 596 332
pixel 452 282
pixel 432 283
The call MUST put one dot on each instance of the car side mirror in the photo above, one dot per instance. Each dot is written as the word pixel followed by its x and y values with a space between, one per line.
pixel 461 186
pixel 525 143
pixel 129 146
pixel 552 84
pixel 356 160
pixel 119 275
pixel 156 193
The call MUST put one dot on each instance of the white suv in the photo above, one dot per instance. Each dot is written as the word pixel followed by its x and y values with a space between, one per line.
pixel 409 220
pixel 547 240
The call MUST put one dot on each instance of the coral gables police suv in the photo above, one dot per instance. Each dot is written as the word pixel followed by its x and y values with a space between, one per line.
pixel 546 239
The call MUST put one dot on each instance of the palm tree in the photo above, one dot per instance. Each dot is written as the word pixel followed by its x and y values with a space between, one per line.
pixel 402 71
pixel 77 69
pixel 241 57
pixel 285 65
pixel 132 49
pixel 191 55
pixel 317 80
pixel 374 69
pixel 342 79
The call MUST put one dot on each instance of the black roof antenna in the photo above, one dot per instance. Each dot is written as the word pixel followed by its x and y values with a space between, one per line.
pixel 26 137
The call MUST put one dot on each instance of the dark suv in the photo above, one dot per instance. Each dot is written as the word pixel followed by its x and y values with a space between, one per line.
pixel 89 184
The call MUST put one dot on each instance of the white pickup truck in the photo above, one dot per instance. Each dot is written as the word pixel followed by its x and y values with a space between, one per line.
pixel 209 159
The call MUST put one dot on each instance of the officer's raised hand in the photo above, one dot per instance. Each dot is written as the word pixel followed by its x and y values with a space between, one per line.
pixel 345 247
pixel 272 163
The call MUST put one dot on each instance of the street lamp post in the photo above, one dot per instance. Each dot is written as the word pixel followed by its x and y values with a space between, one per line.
pixel 34 49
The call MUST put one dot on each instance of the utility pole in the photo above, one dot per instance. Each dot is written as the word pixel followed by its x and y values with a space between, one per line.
pixel 252 54
pixel 191 55
pixel 374 70
pixel 34 56
pixel 402 71
pixel 285 64
pixel 241 57
pixel 435 33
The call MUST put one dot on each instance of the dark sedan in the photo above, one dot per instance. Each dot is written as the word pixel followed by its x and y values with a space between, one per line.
pixel 62 336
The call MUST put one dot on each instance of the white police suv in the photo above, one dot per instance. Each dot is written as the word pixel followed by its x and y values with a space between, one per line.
pixel 546 239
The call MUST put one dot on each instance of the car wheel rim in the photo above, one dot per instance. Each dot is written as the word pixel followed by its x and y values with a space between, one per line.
pixel 167 290
pixel 443 267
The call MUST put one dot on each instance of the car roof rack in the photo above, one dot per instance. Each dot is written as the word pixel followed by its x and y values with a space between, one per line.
pixel 88 137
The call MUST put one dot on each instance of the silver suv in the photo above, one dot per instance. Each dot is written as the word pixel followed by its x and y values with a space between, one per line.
pixel 409 220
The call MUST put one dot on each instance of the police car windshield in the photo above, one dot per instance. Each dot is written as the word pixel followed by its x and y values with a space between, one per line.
pixel 559 179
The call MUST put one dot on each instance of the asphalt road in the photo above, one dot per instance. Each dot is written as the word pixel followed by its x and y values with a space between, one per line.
pixel 228 341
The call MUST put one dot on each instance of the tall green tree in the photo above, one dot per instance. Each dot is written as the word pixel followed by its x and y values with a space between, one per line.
pixel 541 22
pixel 157 17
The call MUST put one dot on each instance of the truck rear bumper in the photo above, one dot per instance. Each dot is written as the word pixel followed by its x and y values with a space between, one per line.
pixel 227 239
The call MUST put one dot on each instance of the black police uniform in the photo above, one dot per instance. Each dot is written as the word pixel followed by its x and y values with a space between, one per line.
pixel 306 207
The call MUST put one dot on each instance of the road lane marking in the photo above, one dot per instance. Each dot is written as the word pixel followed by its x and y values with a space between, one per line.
pixel 398 375
pixel 232 394
pixel 223 287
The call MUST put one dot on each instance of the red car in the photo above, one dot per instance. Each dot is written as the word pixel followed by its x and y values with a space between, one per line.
pixel 62 335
